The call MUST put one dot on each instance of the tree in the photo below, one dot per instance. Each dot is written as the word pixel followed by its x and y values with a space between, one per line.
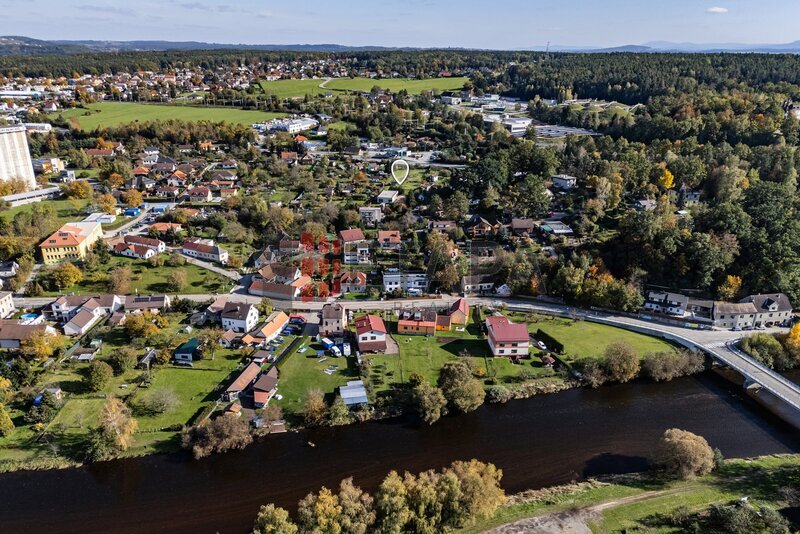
pixel 163 400
pixel 106 203
pixel 273 520
pixel 80 189
pixel 683 454
pixel 621 361
pixel 463 392
pixel 265 306
pixel 41 345
pixel 481 494
pixel 141 326
pixel 117 424
pixel 730 288
pixel 119 280
pixel 226 432
pixel 666 180
pixel 339 413
pixel 65 275
pixel 390 505
pixel 665 366
pixel 429 402
pixel 314 409
pixel 133 198
pixel 6 424
pixel 45 411
pixel 456 206
pixel 178 280
pixel 98 375
pixel 358 513
pixel 319 512
pixel 209 341
pixel 123 359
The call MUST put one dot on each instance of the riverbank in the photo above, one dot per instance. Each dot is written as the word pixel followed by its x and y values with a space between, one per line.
pixel 543 441
pixel 643 501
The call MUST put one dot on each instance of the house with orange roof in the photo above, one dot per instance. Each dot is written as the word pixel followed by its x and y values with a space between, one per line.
pixel 70 242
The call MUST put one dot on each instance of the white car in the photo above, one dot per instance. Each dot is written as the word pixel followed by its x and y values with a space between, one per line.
pixel 541 345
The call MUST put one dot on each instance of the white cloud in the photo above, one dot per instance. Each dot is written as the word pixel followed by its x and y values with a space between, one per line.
pixel 716 10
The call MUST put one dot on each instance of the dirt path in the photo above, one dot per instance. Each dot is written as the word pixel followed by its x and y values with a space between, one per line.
pixel 573 521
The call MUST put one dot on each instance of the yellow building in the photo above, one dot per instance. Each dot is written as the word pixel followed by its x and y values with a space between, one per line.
pixel 71 242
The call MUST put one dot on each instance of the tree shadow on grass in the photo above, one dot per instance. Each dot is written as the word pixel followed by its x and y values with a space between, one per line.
pixel 476 347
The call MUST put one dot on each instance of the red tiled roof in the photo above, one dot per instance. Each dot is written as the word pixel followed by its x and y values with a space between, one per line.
pixel 504 331
pixel 368 323
pixel 353 234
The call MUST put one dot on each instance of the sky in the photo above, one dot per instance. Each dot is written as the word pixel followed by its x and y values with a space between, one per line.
pixel 503 24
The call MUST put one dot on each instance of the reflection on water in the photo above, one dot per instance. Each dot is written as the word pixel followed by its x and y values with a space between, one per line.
pixel 537 442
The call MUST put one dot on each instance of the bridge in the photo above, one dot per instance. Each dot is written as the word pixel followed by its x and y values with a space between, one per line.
pixel 718 344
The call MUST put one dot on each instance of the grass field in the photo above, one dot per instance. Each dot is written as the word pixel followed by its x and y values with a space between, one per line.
pixel 302 371
pixel 110 114
pixel 583 339
pixel 64 210
pixel 299 88
pixel 642 503
pixel 148 279
pixel 293 88
pixel 397 84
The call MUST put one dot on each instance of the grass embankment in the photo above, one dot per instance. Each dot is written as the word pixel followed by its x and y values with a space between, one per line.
pixel 111 114
pixel 642 503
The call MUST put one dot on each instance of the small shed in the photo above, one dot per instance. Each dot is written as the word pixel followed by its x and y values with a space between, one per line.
pixel 187 351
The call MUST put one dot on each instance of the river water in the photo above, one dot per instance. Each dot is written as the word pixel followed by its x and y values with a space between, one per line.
pixel 541 441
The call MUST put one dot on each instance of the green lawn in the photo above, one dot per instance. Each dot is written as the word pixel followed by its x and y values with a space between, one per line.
pixel 426 355
pixel 293 88
pixel 583 339
pixel 64 209
pixel 397 84
pixel 148 279
pixel 299 88
pixel 302 371
pixel 196 388
pixel 111 114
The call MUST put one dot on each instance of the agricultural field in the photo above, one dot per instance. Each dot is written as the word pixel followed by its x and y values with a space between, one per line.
pixel 111 114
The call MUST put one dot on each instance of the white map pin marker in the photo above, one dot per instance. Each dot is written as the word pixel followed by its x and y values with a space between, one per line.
pixel 400 171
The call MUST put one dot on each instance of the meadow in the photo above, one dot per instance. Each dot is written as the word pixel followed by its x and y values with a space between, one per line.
pixel 299 88
pixel 111 114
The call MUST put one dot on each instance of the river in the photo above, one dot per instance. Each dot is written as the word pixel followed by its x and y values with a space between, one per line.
pixel 541 441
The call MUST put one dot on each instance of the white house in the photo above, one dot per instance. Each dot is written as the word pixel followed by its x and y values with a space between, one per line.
pixel 371 333
pixel 239 317
pixel 205 249
pixel 394 279
pixel 564 181
pixel 371 214
pixel 388 196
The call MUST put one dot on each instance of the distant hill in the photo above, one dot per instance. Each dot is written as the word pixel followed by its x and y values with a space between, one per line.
pixel 25 46
pixel 17 45
pixel 133 46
